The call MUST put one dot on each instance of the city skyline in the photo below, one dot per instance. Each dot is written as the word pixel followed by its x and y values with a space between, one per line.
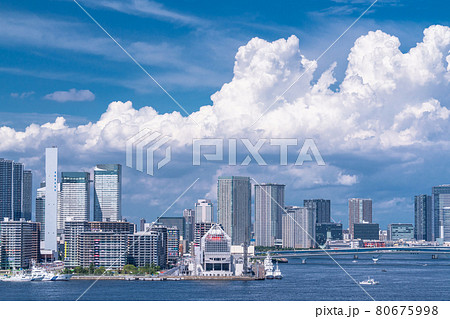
pixel 384 143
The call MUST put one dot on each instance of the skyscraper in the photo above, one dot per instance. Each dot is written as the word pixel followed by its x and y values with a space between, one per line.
pixel 441 212
pixel 17 190
pixel 423 218
pixel 51 197
pixel 6 188
pixel 234 207
pixel 299 227
pixel 40 209
pixel 189 224
pixel 75 198
pixel 321 207
pixel 27 194
pixel 108 192
pixel 269 203
pixel 359 211
pixel 204 211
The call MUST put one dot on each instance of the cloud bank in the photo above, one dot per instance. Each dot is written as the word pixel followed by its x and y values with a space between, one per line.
pixel 73 95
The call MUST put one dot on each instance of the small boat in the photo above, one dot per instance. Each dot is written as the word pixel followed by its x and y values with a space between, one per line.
pixel 383 270
pixel 354 261
pixel 375 259
pixel 277 273
pixel 369 282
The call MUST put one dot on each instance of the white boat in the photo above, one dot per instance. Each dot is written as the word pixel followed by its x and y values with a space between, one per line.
pixel 18 277
pixel 369 282
pixel 269 274
pixel 277 273
pixel 42 274
pixel 63 277
pixel 268 264
pixel 375 259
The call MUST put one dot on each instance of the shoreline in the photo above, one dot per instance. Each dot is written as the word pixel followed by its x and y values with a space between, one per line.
pixel 168 278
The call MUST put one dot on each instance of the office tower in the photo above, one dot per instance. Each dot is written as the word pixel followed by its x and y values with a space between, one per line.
pixel 234 207
pixel 108 192
pixel 162 230
pixel 366 231
pixel 441 212
pixel 51 198
pixel 269 205
pixel 423 218
pixel 177 222
pixel 19 243
pixel 298 227
pixel 321 207
pixel 17 190
pixel 359 211
pixel 189 224
pixel 6 188
pixel 328 231
pixel 204 211
pixel 75 195
pixel 142 222
pixel 40 208
pixel 400 232
pixel 27 194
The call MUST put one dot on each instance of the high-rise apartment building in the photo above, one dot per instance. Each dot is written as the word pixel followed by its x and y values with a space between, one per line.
pixel 234 207
pixel 51 198
pixel 299 227
pixel 321 207
pixel 18 169
pixel 189 224
pixel 6 188
pixel 359 211
pixel 441 212
pixel 19 243
pixel 27 206
pixel 269 206
pixel 75 198
pixel 40 208
pixel 204 211
pixel 108 192
pixel 423 218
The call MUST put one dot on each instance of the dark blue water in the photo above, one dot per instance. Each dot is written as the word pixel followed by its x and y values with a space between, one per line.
pixel 406 278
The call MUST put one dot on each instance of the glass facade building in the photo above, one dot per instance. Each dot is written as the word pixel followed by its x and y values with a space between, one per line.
pixel 108 192
pixel 366 231
pixel 322 209
pixel 441 212
pixel 359 211
pixel 328 231
pixel 75 197
pixel 400 232
pixel 423 218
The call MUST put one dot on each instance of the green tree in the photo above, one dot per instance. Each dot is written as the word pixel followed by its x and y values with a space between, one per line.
pixel 91 269
pixel 100 270
pixel 130 269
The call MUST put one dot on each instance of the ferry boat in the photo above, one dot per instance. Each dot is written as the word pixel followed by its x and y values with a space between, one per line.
pixel 369 282
pixel 277 273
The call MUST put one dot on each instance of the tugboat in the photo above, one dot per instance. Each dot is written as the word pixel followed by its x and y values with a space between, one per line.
pixel 369 282
pixel 277 273
pixel 268 267
pixel 269 274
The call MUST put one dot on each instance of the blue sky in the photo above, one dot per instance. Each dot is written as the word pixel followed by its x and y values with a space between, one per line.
pixel 190 47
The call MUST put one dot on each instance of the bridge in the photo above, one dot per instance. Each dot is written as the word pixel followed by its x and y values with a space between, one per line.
pixel 434 251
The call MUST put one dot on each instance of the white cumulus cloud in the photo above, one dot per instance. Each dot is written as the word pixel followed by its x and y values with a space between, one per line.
pixel 73 95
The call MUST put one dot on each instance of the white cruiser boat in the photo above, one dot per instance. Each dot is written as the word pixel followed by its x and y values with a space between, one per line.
pixel 369 282
pixel 63 277
pixel 45 275
pixel 18 277
pixel 277 273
